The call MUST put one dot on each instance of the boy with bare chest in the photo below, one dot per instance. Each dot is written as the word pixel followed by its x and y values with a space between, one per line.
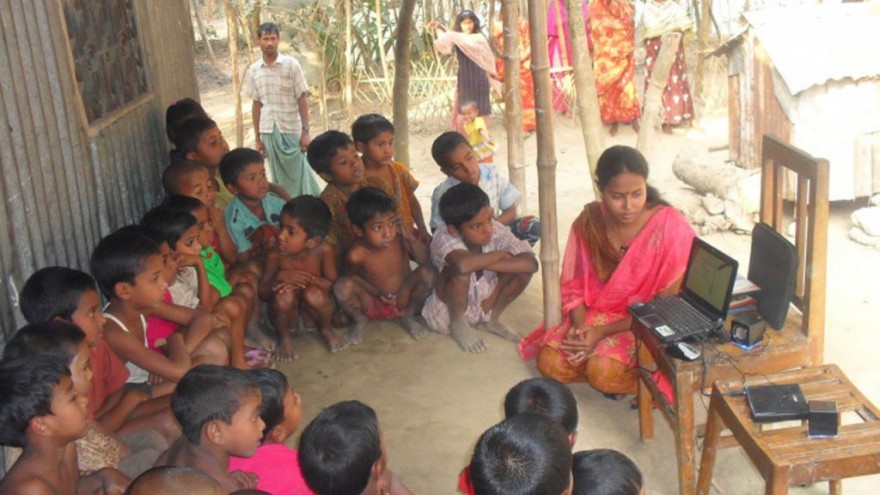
pixel 380 284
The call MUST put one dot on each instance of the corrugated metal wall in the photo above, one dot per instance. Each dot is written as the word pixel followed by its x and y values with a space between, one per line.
pixel 64 185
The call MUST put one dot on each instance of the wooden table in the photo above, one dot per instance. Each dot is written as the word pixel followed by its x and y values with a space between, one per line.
pixel 786 456
pixel 780 350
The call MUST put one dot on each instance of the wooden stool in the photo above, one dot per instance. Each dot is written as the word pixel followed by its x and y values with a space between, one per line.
pixel 786 456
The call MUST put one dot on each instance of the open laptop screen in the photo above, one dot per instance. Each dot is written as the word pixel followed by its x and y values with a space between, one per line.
pixel 709 279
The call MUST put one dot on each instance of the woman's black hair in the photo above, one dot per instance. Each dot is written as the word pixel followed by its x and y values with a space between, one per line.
pixel 619 159
pixel 467 14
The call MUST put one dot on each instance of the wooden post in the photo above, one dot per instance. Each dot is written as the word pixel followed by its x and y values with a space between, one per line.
pixel 585 89
pixel 546 163
pixel 513 112
pixel 703 37
pixel 654 95
pixel 401 81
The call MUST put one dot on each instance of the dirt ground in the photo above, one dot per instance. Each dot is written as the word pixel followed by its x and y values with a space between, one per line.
pixel 433 400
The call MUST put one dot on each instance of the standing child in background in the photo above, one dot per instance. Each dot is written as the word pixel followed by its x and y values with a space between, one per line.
pixel 275 464
pixel 527 454
pixel 459 162
pixel 253 216
pixel 299 274
pixel 373 137
pixel 482 269
pixel 341 451
pixel 336 160
pixel 218 409
pixel 379 282
pixel 40 412
pixel 606 472
pixel 477 132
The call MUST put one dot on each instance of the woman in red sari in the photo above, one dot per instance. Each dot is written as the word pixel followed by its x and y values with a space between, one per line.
pixel 612 35
pixel 629 247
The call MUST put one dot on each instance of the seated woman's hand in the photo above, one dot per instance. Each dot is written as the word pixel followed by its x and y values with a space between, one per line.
pixel 580 342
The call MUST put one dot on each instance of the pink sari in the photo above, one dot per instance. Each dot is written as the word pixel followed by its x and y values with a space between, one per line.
pixel 606 281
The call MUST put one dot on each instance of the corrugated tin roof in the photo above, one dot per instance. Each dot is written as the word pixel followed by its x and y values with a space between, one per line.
pixel 810 45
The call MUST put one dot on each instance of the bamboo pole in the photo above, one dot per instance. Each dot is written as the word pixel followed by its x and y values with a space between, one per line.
pixel 347 90
pixel 654 95
pixel 563 43
pixel 513 108
pixel 546 163
pixel 585 89
pixel 232 37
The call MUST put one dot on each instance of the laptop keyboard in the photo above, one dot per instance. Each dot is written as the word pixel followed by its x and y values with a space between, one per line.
pixel 681 317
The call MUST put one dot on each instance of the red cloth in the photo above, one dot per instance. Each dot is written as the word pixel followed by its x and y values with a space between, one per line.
pixel 612 36
pixel 109 375
pixel 378 310
pixel 277 467
pixel 158 329
pixel 465 485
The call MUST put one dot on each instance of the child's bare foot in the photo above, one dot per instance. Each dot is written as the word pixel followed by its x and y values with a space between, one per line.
pixel 501 330
pixel 466 337
pixel 356 333
pixel 285 351
pixel 413 327
pixel 334 341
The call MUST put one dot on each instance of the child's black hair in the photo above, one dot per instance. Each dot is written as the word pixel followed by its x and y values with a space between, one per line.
pixel 338 448
pixel 176 171
pixel 26 388
pixel 189 133
pixel 527 454
pixel 543 395
pixel 120 256
pixel 180 111
pixel 445 144
pixel 312 214
pixel 324 147
pixel 462 202
pixel 467 14
pixel 267 27
pixel 51 338
pixel 234 163
pixel 53 292
pixel 209 392
pixel 605 472
pixel 273 387
pixel 368 203
pixel 170 223
pixel 619 159
pixel 183 203
pixel 368 126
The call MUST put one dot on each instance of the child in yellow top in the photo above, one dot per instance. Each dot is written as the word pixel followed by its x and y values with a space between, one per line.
pixel 477 132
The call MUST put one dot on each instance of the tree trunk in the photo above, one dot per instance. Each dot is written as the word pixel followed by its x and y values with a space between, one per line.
pixel 203 32
pixel 703 37
pixel 347 93
pixel 380 38
pixel 255 18
pixel 654 95
pixel 401 81
pixel 248 33
pixel 585 89
pixel 513 112
pixel 232 35
pixel 546 163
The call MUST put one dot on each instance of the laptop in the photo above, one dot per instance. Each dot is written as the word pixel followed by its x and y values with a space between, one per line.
pixel 701 306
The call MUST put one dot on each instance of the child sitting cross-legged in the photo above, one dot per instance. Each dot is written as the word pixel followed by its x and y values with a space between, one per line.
pixel 41 412
pixel 300 272
pixel 218 408
pixel 527 454
pixel 458 160
pixel 335 159
pixel 275 464
pixel 379 282
pixel 341 451
pixel 482 269
pixel 373 137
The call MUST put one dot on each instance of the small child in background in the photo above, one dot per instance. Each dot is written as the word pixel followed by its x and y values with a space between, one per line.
pixel 128 267
pixel 299 274
pixel 275 464
pixel 606 472
pixel 458 160
pixel 477 132
pixel 379 282
pixel 482 268
pixel 41 412
pixel 341 451
pixel 254 215
pixel 335 159
pixel 373 137
pixel 170 480
pixel 527 454
pixel 218 408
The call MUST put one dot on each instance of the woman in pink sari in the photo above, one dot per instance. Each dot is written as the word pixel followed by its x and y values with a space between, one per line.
pixel 629 247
